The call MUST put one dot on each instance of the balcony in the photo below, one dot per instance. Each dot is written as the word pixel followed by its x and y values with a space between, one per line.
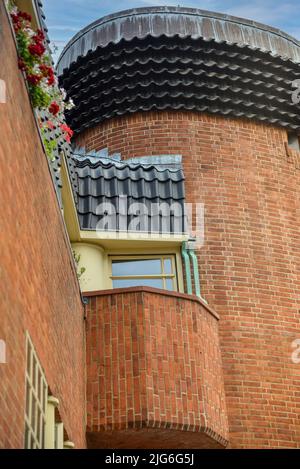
pixel 154 374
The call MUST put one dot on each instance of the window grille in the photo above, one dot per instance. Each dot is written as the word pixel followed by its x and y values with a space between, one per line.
pixel 36 400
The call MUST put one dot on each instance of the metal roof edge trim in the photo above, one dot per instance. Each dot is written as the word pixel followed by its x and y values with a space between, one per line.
pixel 179 11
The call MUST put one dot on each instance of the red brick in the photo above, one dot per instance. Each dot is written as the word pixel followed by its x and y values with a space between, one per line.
pixel 39 289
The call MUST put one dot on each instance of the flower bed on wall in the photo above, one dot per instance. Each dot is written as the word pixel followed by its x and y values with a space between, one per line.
pixel 36 64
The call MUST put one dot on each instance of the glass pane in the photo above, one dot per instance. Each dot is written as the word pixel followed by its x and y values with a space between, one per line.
pixel 26 444
pixel 169 284
pixel 27 398
pixel 39 384
pixel 168 266
pixel 43 435
pixel 138 282
pixel 28 359
pixel 136 267
pixel 33 414
pixel 38 428
pixel 34 373
pixel 43 397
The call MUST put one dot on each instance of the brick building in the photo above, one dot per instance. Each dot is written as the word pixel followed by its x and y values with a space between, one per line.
pixel 180 198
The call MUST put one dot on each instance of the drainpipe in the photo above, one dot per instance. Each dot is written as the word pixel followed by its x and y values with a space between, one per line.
pixel 195 271
pixel 187 267
pixel 191 251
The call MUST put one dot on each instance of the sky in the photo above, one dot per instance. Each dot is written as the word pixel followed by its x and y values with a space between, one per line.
pixel 66 17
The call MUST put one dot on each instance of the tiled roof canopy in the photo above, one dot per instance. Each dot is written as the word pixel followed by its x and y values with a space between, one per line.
pixel 107 194
pixel 180 58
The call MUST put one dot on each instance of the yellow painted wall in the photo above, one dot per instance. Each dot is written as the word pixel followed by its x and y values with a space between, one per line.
pixel 96 260
pixel 96 248
pixel 93 260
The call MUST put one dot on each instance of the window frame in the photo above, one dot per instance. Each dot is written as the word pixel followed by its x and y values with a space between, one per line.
pixel 36 396
pixel 161 256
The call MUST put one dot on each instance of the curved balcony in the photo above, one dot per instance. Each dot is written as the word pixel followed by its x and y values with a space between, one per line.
pixel 154 374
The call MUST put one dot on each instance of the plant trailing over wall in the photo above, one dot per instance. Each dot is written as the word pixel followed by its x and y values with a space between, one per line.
pixel 80 270
pixel 45 94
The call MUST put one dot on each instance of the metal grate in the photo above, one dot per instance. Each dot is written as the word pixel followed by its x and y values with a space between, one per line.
pixel 36 400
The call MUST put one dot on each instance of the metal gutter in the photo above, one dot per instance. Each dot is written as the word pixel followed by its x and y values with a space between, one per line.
pixel 187 267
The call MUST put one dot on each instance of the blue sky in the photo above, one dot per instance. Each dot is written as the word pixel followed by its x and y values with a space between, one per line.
pixel 66 17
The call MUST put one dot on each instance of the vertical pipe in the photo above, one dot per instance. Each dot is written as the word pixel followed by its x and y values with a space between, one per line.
pixel 195 272
pixel 194 259
pixel 187 267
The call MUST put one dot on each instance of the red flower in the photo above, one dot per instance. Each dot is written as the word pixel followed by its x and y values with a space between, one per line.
pixel 25 16
pixel 17 27
pixel 15 18
pixel 51 80
pixel 50 125
pixel 18 19
pixel 68 132
pixel 37 49
pixel 16 22
pixel 40 36
pixel 46 70
pixel 22 65
pixel 54 108
pixel 67 129
pixel 34 79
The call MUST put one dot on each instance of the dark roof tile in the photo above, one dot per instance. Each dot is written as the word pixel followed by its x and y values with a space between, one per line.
pixel 181 74
pixel 106 182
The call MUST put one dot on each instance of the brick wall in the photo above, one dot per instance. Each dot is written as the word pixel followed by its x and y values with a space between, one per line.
pixel 250 263
pixel 153 368
pixel 38 290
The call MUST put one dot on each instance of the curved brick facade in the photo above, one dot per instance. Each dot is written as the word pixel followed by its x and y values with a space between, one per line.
pixel 250 263
pixel 150 378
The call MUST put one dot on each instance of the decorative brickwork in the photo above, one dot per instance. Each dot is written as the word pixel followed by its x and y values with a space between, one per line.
pixel 153 362
pixel 250 263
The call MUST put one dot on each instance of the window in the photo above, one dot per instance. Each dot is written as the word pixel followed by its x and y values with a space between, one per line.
pixel 148 271
pixel 36 400
pixel 42 431
pixel 293 141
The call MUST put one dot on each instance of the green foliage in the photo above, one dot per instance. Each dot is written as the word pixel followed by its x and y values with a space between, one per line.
pixel 40 99
pixel 80 271
pixel 50 145
pixel 36 64
pixel 23 43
